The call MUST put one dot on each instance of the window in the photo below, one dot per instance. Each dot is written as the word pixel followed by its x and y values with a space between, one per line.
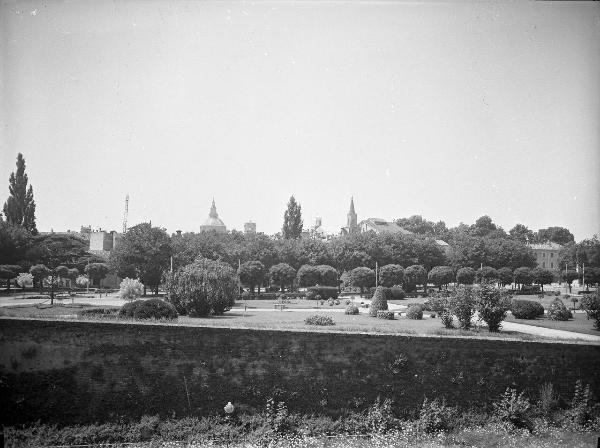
pixel 544 264
pixel 551 265
pixel 551 254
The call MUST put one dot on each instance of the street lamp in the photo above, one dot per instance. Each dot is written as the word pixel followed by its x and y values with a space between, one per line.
pixel 229 408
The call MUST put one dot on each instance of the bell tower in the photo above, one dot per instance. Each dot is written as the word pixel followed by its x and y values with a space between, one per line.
pixel 351 223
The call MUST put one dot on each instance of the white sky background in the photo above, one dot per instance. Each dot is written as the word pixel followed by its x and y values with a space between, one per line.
pixel 448 110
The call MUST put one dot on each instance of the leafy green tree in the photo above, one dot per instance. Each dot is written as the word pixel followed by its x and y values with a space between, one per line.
pixel 203 287
pixel 485 227
pixel 521 233
pixel 391 275
pixel 542 277
pixel 143 252
pixel 97 272
pixel 362 277
pixel 251 274
pixel 55 250
pixel 282 274
pixel 292 220
pixel 492 304
pixel 307 275
pixel 39 272
pixel 461 303
pixel 8 272
pixel 328 275
pixel 568 277
pixel 486 273
pixel 72 275
pixel 19 208
pixel 505 276
pixel 523 276
pixel 559 235
pixel 15 242
pixel 465 276
pixel 415 275
pixel 441 276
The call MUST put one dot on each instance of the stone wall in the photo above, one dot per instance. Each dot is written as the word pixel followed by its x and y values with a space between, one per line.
pixel 67 372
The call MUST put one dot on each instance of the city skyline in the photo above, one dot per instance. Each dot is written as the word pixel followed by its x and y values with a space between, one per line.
pixel 450 111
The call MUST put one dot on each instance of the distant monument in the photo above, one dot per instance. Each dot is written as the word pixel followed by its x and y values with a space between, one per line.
pixel 213 222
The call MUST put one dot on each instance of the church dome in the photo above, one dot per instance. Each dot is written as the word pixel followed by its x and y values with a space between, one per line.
pixel 213 222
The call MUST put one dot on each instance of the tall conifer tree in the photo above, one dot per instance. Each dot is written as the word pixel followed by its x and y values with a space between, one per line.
pixel 19 208
pixel 292 220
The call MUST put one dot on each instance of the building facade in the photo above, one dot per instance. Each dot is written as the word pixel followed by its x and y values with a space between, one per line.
pixel 547 255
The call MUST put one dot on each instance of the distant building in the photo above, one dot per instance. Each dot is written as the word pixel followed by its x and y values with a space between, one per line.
pixel 213 222
pixel 249 227
pixel 546 255
pixel 379 226
pixel 351 220
pixel 321 232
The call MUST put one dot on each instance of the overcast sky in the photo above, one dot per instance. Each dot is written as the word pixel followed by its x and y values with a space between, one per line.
pixel 450 110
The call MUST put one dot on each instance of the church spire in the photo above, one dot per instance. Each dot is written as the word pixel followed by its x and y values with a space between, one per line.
pixel 352 204
pixel 213 210
pixel 352 223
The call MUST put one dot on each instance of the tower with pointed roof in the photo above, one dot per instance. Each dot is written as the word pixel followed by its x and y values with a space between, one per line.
pixel 213 222
pixel 351 221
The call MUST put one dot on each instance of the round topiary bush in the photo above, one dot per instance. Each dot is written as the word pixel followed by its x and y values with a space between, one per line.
pixel 330 301
pixel 415 312
pixel 317 319
pixel 558 311
pixel 379 301
pixel 389 315
pixel 526 309
pixel 148 309
pixel 351 309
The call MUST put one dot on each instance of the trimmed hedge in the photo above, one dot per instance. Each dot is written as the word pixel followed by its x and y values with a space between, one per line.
pixel 317 319
pixel 415 312
pixel 325 292
pixel 379 301
pixel 148 309
pixel 526 309
pixel 382 314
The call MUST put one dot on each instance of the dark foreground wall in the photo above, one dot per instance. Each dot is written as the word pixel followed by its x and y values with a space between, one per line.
pixel 70 372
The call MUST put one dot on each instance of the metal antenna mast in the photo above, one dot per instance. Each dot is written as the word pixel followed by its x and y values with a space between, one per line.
pixel 125 214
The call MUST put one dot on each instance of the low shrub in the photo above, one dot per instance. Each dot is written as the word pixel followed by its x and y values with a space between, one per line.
pixel 492 304
pixel 435 416
pixel 397 293
pixel 99 312
pixel 415 312
pixel 558 311
pixel 378 302
pixel 316 319
pixel 351 309
pixel 526 309
pixel 382 314
pixel 461 303
pixel 324 291
pixel 348 301
pixel 513 408
pixel 330 302
pixel 337 301
pixel 148 309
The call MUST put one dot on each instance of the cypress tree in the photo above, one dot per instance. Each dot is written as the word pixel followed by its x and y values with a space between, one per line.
pixel 19 208
pixel 292 220
pixel 379 301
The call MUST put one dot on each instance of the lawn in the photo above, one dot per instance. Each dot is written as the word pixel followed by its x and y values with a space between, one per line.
pixel 283 320
pixel 579 323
